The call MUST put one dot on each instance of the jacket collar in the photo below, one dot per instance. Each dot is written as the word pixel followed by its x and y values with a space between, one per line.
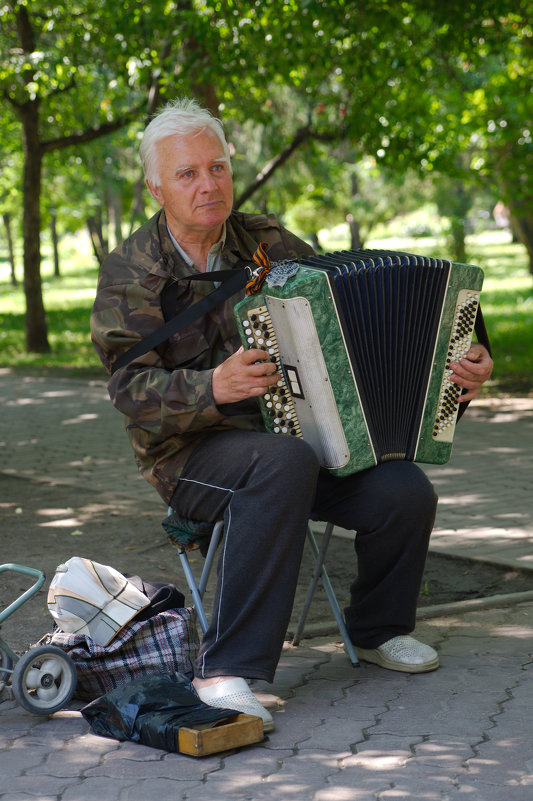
pixel 239 247
pixel 171 262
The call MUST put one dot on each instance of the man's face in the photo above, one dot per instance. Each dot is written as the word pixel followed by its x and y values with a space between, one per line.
pixel 196 187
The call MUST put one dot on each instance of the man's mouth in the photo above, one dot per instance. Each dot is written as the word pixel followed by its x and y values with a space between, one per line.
pixel 210 204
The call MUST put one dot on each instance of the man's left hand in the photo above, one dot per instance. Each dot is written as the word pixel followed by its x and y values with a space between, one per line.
pixel 472 371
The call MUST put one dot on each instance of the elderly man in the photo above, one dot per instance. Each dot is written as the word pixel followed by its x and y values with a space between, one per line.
pixel 194 423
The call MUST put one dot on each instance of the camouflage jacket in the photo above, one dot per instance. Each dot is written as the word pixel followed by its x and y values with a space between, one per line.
pixel 165 395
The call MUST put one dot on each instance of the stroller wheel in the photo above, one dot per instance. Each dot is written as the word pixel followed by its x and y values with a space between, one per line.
pixel 44 680
pixel 6 666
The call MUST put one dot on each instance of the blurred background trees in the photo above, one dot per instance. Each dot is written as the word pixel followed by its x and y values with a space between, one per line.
pixel 338 112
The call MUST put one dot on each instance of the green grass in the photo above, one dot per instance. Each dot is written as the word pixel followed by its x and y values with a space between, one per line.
pixel 507 304
pixel 68 301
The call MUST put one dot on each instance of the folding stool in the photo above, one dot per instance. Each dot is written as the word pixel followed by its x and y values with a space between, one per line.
pixel 319 574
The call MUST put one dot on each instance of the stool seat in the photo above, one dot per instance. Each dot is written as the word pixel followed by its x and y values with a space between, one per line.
pixel 187 533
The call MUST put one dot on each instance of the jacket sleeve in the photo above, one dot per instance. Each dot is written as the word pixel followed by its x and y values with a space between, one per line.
pixel 160 400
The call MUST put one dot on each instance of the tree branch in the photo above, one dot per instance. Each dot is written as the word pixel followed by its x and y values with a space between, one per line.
pixel 301 135
pixel 93 133
pixel 60 89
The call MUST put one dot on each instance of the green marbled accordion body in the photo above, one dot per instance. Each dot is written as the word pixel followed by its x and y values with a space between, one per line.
pixel 363 340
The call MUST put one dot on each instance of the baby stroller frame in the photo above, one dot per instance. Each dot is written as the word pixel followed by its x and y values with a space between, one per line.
pixel 43 679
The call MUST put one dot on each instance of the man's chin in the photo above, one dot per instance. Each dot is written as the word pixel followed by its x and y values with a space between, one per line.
pixel 213 216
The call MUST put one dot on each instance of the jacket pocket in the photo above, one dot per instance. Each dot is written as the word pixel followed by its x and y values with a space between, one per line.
pixel 187 350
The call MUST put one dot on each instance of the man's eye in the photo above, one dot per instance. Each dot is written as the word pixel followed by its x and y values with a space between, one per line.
pixel 187 174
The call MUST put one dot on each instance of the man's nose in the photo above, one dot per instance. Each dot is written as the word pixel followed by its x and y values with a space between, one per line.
pixel 207 181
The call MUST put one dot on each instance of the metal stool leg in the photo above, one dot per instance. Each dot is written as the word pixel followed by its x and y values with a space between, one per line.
pixel 198 590
pixel 315 578
pixel 320 572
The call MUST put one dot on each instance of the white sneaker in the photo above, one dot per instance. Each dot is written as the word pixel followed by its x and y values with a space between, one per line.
pixel 235 694
pixel 401 653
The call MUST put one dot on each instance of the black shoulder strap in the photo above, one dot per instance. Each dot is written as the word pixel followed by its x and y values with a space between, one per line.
pixel 231 282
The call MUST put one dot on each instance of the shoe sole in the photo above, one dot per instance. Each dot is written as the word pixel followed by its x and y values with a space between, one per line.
pixel 378 659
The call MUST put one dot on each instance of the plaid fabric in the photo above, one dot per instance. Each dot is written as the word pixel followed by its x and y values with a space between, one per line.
pixel 166 642
pixel 187 533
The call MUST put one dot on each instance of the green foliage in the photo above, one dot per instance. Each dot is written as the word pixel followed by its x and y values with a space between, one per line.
pixel 363 191
pixel 439 88
pixel 410 84
pixel 84 47
pixel 507 305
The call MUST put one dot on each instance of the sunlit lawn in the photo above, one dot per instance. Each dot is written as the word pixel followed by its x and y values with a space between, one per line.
pixel 507 302
pixel 68 301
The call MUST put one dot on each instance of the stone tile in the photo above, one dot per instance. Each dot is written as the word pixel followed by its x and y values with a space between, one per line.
pixel 380 751
pixel 469 790
pixel 174 767
pixel 447 753
pixel 39 785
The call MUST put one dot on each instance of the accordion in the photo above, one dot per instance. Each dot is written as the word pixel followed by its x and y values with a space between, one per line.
pixel 363 341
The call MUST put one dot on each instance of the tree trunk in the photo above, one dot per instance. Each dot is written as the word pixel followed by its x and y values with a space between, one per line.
pixel 35 320
pixel 356 241
pixel 454 202
pixel 55 242
pixel 521 219
pixel 114 206
pixel 100 246
pixel 198 55
pixel 516 194
pixel 523 228
pixel 36 329
pixel 10 248
pixel 138 213
pixel 315 242
pixel 34 150
pixel 204 91
pixel 458 238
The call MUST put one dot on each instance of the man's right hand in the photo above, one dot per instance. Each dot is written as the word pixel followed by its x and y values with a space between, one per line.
pixel 245 374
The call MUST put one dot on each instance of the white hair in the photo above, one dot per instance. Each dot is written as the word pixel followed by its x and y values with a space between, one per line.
pixel 183 116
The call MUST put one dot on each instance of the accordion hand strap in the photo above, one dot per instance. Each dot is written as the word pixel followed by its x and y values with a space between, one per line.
pixel 483 338
pixel 481 331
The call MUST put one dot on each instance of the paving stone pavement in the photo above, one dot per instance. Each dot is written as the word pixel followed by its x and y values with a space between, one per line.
pixel 342 734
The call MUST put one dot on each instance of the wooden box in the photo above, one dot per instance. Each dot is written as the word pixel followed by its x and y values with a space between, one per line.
pixel 226 734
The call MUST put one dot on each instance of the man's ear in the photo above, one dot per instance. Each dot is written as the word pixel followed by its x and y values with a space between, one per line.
pixel 156 193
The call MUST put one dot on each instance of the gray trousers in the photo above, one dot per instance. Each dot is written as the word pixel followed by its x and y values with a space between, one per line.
pixel 266 486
